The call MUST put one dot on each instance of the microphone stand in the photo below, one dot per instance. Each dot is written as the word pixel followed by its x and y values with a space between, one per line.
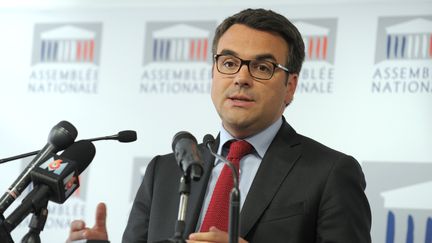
pixel 234 218
pixel 18 156
pixel 184 191
pixel 4 233
pixel 36 225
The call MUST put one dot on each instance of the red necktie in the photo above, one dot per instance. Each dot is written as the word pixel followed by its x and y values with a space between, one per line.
pixel 218 210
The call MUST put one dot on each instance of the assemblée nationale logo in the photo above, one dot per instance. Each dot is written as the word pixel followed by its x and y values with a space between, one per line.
pixel 400 201
pixel 319 36
pixel 177 57
pixel 65 58
pixel 403 56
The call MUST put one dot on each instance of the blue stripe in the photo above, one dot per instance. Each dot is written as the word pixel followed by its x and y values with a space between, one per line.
pixel 428 238
pixel 161 49
pixel 390 227
pixel 410 231
pixel 48 51
pixel 396 46
pixel 55 50
pixel 155 45
pixel 403 46
pixel 42 52
pixel 168 49
pixel 388 46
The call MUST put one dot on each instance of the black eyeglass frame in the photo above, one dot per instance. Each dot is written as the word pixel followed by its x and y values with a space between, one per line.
pixel 247 63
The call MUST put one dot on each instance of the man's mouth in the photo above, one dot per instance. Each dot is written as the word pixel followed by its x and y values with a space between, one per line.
pixel 240 98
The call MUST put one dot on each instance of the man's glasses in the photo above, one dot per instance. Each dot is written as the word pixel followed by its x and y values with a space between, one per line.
pixel 259 69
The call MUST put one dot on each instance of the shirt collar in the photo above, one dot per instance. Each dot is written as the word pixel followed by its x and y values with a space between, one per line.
pixel 260 141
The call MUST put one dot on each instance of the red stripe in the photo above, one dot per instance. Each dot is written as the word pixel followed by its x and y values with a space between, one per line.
pixel 191 50
pixel 78 51
pixel 85 57
pixel 317 51
pixel 91 51
pixel 205 49
pixel 310 48
pixel 430 46
pixel 325 48
pixel 198 54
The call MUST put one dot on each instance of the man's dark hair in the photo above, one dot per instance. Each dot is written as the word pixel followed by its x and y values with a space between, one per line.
pixel 267 20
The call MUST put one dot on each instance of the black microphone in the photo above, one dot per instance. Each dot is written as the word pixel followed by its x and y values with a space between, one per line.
pixel 54 179
pixel 234 211
pixel 60 137
pixel 188 157
pixel 126 136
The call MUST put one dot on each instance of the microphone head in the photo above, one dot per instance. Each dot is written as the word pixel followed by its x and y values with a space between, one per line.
pixel 181 135
pixel 127 136
pixel 62 135
pixel 82 152
pixel 208 140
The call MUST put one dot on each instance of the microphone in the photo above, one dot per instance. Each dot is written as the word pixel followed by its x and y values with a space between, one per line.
pixel 123 137
pixel 208 141
pixel 234 211
pixel 54 179
pixel 188 157
pixel 60 137
pixel 126 136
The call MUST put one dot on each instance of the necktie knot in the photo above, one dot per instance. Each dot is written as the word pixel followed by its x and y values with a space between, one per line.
pixel 238 149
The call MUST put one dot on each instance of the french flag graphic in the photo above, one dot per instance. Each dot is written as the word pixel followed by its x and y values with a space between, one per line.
pixel 67 44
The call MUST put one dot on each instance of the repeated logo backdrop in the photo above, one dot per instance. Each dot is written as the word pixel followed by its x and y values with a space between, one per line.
pixel 365 89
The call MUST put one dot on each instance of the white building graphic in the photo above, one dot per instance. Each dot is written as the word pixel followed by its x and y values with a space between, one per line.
pixel 180 43
pixel 409 40
pixel 409 213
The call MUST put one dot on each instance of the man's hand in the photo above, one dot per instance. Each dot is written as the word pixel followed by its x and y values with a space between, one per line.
pixel 79 231
pixel 214 236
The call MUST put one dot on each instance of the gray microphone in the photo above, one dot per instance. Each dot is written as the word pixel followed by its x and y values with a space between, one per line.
pixel 188 157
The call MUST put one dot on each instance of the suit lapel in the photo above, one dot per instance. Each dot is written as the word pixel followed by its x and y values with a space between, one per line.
pixel 198 190
pixel 275 166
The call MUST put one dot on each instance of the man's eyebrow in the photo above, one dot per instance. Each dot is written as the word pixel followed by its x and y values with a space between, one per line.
pixel 266 56
pixel 228 52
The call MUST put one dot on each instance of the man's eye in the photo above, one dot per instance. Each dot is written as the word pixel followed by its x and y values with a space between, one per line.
pixel 263 67
pixel 229 64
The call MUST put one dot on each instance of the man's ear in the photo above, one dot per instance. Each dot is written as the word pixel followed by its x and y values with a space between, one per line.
pixel 291 87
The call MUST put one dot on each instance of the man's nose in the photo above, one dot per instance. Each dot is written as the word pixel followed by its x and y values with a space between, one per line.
pixel 243 76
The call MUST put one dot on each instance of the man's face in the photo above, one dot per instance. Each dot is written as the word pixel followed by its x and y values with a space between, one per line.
pixel 247 105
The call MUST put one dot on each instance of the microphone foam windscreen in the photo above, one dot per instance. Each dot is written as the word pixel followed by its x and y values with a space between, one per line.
pixel 127 136
pixel 180 135
pixel 82 152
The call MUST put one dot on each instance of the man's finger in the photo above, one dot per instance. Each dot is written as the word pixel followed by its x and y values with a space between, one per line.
pixel 210 236
pixel 77 235
pixel 214 229
pixel 77 225
pixel 100 216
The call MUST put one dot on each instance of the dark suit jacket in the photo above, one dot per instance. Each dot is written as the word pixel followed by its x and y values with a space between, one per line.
pixel 303 192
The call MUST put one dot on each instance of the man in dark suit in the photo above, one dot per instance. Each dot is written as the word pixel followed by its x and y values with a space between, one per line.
pixel 294 189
